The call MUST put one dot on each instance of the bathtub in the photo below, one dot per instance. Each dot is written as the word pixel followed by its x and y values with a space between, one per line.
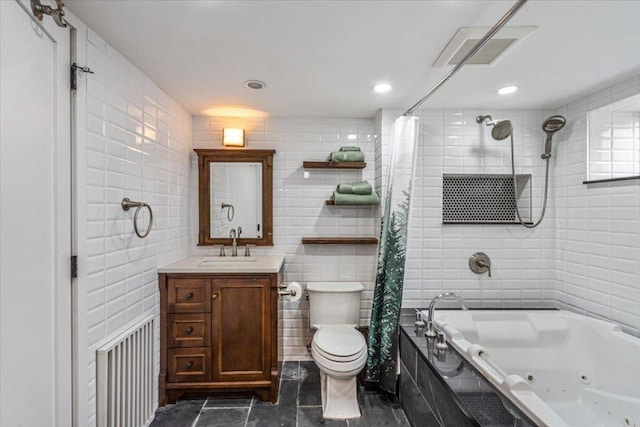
pixel 559 368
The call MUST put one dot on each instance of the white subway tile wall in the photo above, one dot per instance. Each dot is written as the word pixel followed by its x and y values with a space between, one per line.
pixel 597 238
pixel 299 208
pixel 138 146
pixel 437 254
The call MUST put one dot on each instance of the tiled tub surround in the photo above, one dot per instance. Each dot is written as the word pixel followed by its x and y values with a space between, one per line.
pixel 437 254
pixel 585 256
pixel 597 231
pixel 441 389
pixel 558 367
pixel 299 209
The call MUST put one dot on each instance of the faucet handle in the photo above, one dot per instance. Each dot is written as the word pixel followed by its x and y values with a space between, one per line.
pixel 480 263
pixel 221 250
pixel 247 251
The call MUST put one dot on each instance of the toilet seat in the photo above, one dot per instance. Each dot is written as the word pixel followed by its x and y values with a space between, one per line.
pixel 339 342
pixel 339 350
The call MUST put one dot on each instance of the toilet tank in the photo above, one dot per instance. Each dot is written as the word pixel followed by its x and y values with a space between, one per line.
pixel 334 303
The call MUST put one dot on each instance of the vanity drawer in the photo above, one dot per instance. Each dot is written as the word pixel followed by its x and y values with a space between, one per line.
pixel 189 364
pixel 189 296
pixel 189 330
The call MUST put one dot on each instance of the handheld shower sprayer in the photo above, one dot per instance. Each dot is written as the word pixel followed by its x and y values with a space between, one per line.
pixel 550 126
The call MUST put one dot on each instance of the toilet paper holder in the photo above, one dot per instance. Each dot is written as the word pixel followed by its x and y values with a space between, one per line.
pixel 283 291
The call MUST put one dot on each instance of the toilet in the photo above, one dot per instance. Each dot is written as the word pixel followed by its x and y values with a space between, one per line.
pixel 338 348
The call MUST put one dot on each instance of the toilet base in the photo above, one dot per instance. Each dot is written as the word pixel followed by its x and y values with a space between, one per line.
pixel 339 397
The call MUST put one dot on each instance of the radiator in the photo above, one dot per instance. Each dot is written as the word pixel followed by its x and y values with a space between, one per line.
pixel 125 380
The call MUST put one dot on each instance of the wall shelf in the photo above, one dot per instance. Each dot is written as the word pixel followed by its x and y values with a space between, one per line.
pixel 333 203
pixel 333 165
pixel 339 241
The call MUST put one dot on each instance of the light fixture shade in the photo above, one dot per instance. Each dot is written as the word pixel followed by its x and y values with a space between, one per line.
pixel 233 137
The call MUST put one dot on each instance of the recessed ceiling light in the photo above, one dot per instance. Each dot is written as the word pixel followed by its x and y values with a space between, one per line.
pixel 352 136
pixel 382 87
pixel 507 90
pixel 255 84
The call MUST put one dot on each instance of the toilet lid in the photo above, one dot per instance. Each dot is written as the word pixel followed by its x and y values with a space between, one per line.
pixel 339 340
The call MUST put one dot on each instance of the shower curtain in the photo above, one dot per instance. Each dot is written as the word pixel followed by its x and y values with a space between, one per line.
pixel 385 314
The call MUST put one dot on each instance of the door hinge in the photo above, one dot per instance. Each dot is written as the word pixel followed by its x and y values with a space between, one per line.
pixel 74 266
pixel 74 74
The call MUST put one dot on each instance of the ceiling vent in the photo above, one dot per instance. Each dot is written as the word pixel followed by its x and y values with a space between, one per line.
pixel 467 37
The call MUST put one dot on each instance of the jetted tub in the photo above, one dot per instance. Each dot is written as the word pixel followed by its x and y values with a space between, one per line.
pixel 561 369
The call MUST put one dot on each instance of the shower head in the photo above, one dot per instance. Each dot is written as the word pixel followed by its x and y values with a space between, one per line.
pixel 501 129
pixel 550 126
pixel 553 124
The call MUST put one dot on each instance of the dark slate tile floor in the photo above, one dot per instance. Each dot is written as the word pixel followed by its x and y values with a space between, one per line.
pixel 299 405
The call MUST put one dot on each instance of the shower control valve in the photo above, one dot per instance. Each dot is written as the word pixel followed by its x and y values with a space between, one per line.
pixel 480 263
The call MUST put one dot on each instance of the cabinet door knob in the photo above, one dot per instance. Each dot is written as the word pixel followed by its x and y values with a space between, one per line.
pixel 189 330
pixel 214 296
pixel 189 295
pixel 189 365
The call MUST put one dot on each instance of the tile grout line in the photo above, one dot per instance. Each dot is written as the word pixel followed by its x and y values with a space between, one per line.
pixel 200 413
pixel 246 421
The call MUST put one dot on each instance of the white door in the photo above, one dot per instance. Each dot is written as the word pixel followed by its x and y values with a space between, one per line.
pixel 35 220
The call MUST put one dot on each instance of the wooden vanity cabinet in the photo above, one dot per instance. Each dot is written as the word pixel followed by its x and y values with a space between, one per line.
pixel 218 334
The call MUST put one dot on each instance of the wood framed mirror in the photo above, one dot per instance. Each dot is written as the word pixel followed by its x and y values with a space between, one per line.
pixel 235 191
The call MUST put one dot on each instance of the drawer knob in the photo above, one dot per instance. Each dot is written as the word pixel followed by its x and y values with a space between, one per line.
pixel 189 365
pixel 189 295
pixel 214 296
pixel 189 330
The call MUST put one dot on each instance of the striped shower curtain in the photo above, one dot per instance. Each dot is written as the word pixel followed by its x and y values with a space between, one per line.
pixel 385 314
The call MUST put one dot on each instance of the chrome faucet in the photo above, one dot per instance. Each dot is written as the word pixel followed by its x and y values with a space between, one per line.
pixel 234 243
pixel 447 295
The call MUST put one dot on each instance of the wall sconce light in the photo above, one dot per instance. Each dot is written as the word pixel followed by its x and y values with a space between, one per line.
pixel 233 137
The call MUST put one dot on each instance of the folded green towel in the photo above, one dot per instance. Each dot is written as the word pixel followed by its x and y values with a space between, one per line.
pixel 356 199
pixel 346 156
pixel 349 148
pixel 356 188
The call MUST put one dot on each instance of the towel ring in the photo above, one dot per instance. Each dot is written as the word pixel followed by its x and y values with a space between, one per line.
pixel 128 204
pixel 231 211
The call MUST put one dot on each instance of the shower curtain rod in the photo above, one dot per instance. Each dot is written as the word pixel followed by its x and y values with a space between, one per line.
pixel 501 23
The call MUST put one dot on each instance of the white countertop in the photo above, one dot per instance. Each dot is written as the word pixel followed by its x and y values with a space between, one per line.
pixel 228 264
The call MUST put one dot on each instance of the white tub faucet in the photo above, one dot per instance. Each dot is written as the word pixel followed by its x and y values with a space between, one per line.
pixel 446 295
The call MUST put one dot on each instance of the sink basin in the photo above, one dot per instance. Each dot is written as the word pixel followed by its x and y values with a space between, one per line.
pixel 228 260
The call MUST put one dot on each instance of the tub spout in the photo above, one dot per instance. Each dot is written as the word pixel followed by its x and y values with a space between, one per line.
pixel 447 295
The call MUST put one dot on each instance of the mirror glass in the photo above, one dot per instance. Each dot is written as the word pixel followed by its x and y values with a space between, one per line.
pixel 235 192
pixel 614 140
pixel 236 199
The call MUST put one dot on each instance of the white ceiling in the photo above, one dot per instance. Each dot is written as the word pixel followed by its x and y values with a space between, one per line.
pixel 321 58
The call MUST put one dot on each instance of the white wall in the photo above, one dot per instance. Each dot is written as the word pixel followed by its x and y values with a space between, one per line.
pixel 137 146
pixel 299 208
pixel 597 265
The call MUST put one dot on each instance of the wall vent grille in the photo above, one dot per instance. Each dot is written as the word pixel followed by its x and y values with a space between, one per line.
pixel 484 199
pixel 125 377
